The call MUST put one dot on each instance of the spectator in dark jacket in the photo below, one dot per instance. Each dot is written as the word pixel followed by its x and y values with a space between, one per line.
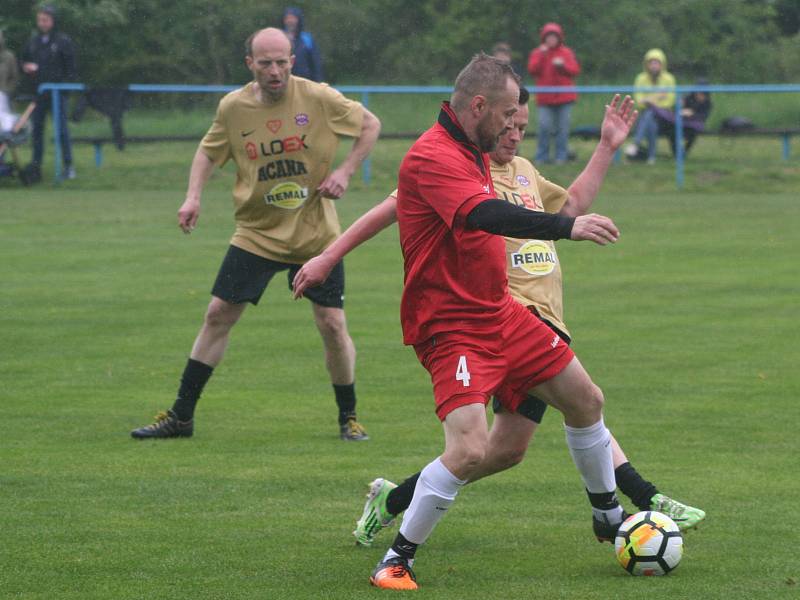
pixel 307 61
pixel 553 64
pixel 695 110
pixel 49 57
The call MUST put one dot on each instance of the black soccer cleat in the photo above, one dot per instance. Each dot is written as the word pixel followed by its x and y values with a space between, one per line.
pixel 167 425
pixel 605 531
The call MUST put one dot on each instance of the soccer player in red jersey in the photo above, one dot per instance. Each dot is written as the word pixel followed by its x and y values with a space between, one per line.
pixel 474 339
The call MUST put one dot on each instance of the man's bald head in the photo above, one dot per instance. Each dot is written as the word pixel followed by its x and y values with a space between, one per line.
pixel 269 39
pixel 269 58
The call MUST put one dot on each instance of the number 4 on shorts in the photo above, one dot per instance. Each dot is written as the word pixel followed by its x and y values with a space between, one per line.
pixel 462 372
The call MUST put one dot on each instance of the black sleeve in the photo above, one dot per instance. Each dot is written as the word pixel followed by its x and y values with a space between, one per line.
pixel 502 218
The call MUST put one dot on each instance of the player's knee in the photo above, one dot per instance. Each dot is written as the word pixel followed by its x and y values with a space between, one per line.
pixel 594 399
pixel 332 326
pixel 471 455
pixel 221 315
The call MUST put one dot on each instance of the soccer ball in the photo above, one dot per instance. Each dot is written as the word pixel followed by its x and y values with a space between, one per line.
pixel 649 543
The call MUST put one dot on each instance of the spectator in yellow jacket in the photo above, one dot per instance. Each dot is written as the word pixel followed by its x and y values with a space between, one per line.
pixel 650 94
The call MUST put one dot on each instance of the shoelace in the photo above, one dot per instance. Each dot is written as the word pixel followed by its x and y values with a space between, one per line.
pixel 353 426
pixel 671 506
pixel 160 417
pixel 398 571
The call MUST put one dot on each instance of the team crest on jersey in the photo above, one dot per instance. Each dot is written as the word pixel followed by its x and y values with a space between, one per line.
pixel 535 258
pixel 523 180
pixel 274 125
pixel 289 195
pixel 301 119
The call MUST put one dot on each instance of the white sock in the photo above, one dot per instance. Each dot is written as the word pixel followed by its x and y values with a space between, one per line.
pixel 435 491
pixel 590 448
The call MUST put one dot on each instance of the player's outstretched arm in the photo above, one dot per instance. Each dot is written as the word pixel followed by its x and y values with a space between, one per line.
pixel 189 212
pixel 335 184
pixel 501 218
pixel 617 123
pixel 315 271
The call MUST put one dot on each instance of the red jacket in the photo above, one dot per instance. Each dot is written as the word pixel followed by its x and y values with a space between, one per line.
pixel 544 72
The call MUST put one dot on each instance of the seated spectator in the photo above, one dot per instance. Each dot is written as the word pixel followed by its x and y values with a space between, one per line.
pixel 9 76
pixel 695 109
pixel 649 98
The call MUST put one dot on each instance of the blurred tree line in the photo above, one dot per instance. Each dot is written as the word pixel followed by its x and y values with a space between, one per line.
pixel 423 41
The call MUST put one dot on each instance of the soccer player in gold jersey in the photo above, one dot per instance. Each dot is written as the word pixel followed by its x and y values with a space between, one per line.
pixel 534 275
pixel 282 133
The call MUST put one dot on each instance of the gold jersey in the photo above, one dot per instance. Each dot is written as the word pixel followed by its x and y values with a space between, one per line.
pixel 534 272
pixel 282 152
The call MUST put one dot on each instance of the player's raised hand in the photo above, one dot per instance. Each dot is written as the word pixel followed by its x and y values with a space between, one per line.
pixel 335 185
pixel 188 214
pixel 618 121
pixel 595 228
pixel 311 274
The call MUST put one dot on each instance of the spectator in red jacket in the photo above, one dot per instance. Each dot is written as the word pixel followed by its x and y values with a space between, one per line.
pixel 553 64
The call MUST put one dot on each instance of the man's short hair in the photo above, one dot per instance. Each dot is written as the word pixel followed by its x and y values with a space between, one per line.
pixel 484 75
pixel 524 95
pixel 248 43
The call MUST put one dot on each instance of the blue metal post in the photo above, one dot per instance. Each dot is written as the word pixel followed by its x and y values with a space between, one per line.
pixel 366 167
pixel 786 148
pixel 56 110
pixel 98 154
pixel 678 141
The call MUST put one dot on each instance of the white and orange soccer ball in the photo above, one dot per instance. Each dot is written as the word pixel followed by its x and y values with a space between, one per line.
pixel 649 543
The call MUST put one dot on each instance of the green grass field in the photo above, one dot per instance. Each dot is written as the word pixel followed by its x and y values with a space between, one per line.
pixel 689 324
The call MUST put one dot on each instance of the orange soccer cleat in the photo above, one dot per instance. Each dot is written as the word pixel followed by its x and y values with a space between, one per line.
pixel 394 574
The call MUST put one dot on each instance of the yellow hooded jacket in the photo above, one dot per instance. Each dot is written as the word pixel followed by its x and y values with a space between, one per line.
pixel 644 82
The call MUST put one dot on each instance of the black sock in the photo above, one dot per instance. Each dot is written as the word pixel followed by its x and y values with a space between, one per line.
pixel 346 401
pixel 400 497
pixel 634 486
pixel 604 500
pixel 194 379
pixel 403 547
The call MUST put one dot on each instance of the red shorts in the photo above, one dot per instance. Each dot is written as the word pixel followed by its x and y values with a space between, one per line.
pixel 505 362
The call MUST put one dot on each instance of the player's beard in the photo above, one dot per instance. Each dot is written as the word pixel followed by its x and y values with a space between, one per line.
pixel 273 94
pixel 487 139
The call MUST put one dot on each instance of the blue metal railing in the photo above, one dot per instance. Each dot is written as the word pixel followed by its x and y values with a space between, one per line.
pixel 365 90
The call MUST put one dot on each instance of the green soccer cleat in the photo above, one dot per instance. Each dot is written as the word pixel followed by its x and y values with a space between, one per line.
pixel 375 516
pixel 167 425
pixel 685 517
pixel 352 431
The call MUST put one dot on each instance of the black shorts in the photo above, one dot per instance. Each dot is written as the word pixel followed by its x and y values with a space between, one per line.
pixel 244 276
pixel 532 407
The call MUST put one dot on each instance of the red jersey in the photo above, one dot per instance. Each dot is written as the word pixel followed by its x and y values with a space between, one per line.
pixel 455 278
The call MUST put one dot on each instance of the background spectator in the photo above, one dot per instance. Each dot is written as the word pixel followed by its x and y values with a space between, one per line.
pixel 503 51
pixel 655 75
pixel 49 57
pixel 695 109
pixel 9 76
pixel 553 63
pixel 307 61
